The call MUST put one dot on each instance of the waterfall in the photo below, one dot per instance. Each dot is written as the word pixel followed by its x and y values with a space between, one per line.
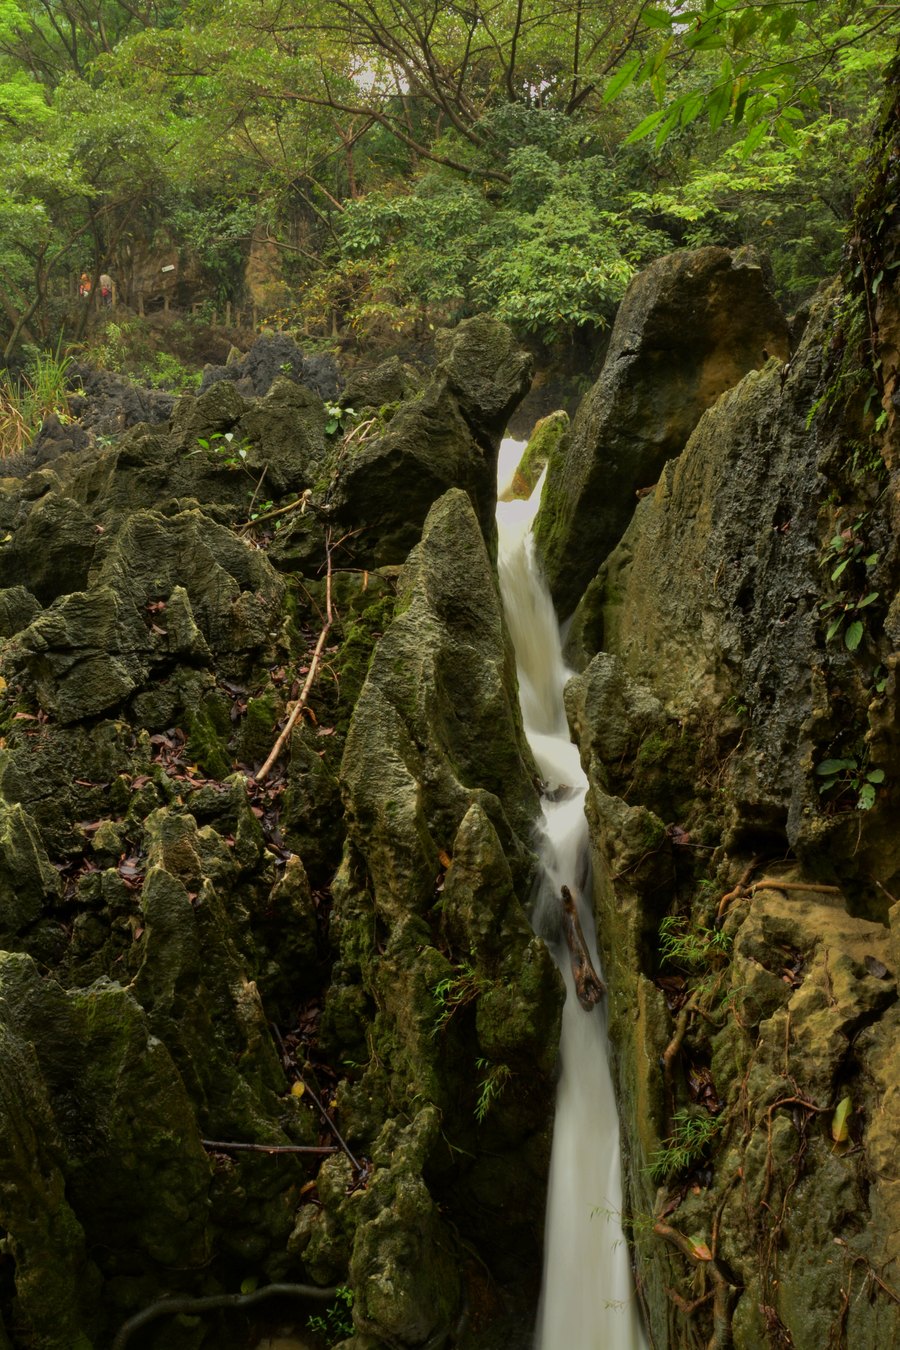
pixel 588 1300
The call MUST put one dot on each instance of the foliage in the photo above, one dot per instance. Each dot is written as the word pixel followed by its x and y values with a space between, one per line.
pixel 409 163
pixel 454 992
pixel 692 1134
pixel 849 780
pixel 336 1323
pixel 691 948
pixel 24 403
pixel 852 561
pixel 761 66
pixel 494 1080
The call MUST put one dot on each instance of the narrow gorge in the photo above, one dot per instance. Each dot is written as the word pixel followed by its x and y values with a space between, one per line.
pixel 280 1048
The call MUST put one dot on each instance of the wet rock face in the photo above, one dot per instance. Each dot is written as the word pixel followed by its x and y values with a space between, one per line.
pixel 744 872
pixel 689 328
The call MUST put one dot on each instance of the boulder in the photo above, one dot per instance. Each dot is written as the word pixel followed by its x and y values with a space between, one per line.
pixel 689 327
pixel 446 437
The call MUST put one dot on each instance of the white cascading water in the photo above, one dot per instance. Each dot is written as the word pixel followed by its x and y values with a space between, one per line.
pixel 588 1300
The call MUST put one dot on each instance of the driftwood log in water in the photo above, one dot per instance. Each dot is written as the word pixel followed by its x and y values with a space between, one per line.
pixel 588 985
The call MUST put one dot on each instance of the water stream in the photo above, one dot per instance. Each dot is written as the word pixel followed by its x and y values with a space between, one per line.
pixel 587 1298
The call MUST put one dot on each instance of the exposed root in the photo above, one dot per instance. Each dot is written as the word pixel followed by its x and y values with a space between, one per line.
pixel 169 1307
pixel 721 1290
pixel 744 891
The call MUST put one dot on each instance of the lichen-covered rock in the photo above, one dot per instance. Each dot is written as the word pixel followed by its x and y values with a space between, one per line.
pixel 387 383
pixel 52 551
pixel 55 1281
pixel 437 723
pixel 690 326
pixel 27 880
pixel 743 897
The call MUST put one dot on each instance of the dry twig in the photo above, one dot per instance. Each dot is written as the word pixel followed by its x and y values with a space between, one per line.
pixel 263 773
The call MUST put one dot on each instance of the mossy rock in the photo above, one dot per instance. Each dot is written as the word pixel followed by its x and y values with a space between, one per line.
pixel 542 444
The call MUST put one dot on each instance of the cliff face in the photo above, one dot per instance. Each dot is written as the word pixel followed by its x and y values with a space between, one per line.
pixel 737 713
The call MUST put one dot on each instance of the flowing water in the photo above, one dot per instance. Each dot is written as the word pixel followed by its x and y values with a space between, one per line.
pixel 587 1299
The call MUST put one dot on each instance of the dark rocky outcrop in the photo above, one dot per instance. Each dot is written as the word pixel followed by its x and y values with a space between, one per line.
pixel 273 356
pixel 159 911
pixel 743 811
pixel 446 436
pixel 689 328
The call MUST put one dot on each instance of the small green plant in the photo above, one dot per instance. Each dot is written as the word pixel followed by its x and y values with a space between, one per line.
pixel 233 452
pixel 495 1078
pixel 336 1323
pixel 691 948
pixel 850 560
pixel 337 418
pixel 848 781
pixel 692 1133
pixel 454 992
pixel 167 372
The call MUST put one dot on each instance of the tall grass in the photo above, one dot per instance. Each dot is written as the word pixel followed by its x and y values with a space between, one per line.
pixel 26 401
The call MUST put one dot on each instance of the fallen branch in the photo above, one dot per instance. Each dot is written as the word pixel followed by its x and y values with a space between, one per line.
pixel 288 1064
pixel 300 504
pixel 776 884
pixel 588 985
pixel 218 1146
pixel 298 707
pixel 738 892
pixel 171 1306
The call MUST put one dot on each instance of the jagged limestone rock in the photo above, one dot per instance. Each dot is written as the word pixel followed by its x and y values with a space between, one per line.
pixel 52 550
pixel 445 437
pixel 17 609
pixel 437 724
pixel 690 326
pixel 55 1282
pixel 387 383
pixel 27 880
pixel 441 801
pixel 702 722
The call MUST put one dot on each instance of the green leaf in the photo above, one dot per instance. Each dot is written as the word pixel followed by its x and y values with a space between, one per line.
pixel 644 127
pixel 834 766
pixel 839 569
pixel 834 627
pixel 853 635
pixel 720 103
pixel 658 18
pixel 873 595
pixel 623 77
pixel 786 133
pixel 753 139
pixel 840 1126
pixel 866 797
pixel 875 776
